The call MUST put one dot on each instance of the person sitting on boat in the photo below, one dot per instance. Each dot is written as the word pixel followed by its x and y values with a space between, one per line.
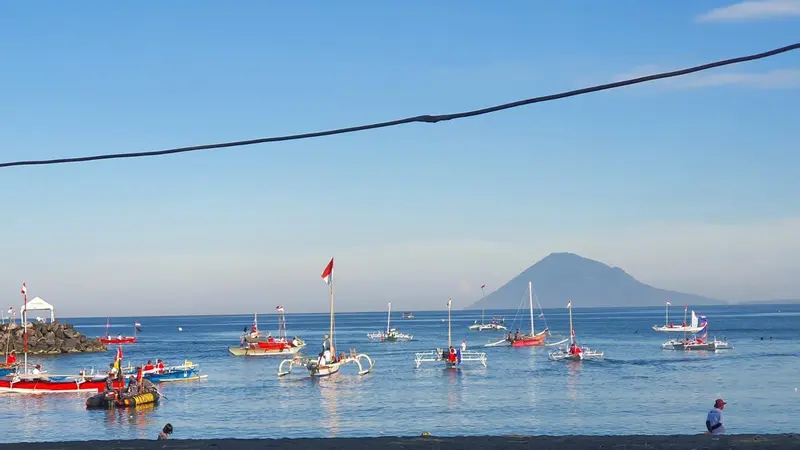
pixel 11 358
pixel 119 336
pixel 574 349
pixel 149 366
pixel 271 339
pixel 112 373
pixel 464 345
pixel 517 336
pixel 684 325
pixel 160 366
pixel 296 342
pixel 452 356
pixel 510 338
pixel 321 360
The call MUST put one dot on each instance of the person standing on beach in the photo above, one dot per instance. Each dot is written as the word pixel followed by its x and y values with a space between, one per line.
pixel 714 419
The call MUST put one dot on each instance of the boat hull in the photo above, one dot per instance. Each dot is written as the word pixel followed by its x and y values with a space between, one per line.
pixel 257 351
pixel 124 340
pixel 711 346
pixel 680 329
pixel 42 386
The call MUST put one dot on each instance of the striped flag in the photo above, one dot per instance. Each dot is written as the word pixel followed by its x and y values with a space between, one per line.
pixel 569 304
pixel 279 308
pixel 669 303
pixel 24 290
pixel 328 272
pixel 483 286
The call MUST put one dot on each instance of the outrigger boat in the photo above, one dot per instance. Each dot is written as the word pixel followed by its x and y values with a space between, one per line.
pixel 533 339
pixel 670 328
pixel 257 343
pixel 188 371
pixel 408 315
pixel 328 363
pixel 108 339
pixel 451 357
pixel 574 352
pixel 697 343
pixel 391 334
pixel 497 324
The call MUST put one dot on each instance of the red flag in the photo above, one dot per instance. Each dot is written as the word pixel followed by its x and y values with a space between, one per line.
pixel 328 272
pixel 119 354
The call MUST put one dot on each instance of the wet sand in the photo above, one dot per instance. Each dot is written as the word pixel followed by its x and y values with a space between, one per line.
pixel 692 442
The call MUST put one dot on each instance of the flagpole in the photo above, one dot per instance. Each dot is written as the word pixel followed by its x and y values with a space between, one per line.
pixel 25 323
pixel 449 324
pixel 333 340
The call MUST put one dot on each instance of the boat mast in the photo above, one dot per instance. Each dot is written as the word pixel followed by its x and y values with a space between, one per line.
pixel 389 318
pixel 530 300
pixel 449 322
pixel 25 322
pixel 571 330
pixel 684 321
pixel 483 310
pixel 666 320
pixel 333 340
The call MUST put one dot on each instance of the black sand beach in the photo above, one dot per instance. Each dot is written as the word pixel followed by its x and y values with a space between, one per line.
pixel 695 442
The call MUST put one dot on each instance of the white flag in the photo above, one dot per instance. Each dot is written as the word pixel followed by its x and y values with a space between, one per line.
pixel 449 302
pixel 569 304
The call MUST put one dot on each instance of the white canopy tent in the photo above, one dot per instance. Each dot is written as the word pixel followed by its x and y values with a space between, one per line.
pixel 37 304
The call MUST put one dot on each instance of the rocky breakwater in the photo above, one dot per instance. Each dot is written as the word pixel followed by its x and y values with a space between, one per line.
pixel 47 339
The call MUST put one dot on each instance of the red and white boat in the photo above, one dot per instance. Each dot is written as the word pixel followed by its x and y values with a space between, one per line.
pixel 49 384
pixel 258 343
pixel 120 339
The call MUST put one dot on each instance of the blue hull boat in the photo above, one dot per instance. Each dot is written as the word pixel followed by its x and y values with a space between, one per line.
pixel 185 372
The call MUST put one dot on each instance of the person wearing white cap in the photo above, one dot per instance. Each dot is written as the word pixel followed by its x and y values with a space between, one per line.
pixel 714 418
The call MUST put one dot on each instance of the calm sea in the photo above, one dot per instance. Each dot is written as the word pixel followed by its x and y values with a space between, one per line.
pixel 638 389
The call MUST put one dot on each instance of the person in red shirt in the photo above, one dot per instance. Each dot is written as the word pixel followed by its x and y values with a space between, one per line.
pixel 11 358
pixel 452 356
pixel 149 365
pixel 160 366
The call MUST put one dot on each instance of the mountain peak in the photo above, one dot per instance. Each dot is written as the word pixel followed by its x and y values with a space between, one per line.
pixel 560 277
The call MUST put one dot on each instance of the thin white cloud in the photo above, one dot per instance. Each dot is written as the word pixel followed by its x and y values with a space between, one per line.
pixel 773 79
pixel 752 10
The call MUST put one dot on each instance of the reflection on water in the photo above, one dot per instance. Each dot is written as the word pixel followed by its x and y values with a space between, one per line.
pixel 573 377
pixel 330 391
pixel 544 397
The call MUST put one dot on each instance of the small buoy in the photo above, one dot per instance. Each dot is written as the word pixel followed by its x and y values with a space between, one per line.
pixel 795 389
pixel 180 329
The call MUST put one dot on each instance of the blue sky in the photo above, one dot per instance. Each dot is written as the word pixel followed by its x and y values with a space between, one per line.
pixel 688 184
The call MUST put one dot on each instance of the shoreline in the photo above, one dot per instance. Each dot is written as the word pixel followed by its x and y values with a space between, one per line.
pixel 682 442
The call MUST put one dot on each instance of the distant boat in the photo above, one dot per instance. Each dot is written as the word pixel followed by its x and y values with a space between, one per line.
pixel 670 328
pixel 574 352
pixel 108 339
pixel 497 324
pixel 258 343
pixel 391 334
pixel 408 315
pixel 695 342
